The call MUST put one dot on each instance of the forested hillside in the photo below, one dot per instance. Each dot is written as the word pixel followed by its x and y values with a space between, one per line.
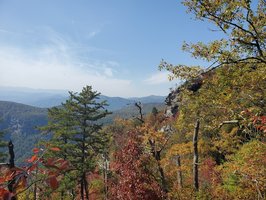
pixel 20 123
pixel 210 143
pixel 21 118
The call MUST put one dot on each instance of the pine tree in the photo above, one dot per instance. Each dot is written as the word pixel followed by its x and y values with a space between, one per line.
pixel 77 132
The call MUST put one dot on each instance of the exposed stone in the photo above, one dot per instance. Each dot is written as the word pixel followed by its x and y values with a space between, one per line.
pixel 173 99
pixel 172 103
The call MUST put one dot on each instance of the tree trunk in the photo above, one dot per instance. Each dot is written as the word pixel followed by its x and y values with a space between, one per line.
pixel 81 189
pixel 105 178
pixel 179 172
pixel 157 155
pixel 11 154
pixel 196 157
pixel 62 195
pixel 163 181
pixel 86 186
pixel 83 175
pixel 73 194
pixel 11 165
pixel 164 185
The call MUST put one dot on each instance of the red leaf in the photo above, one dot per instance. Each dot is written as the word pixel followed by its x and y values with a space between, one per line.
pixel 2 191
pixel 49 162
pixel 9 175
pixel 263 119
pixel 35 150
pixel 5 195
pixel 32 159
pixel 32 168
pixel 55 149
pixel 2 180
pixel 64 165
pixel 53 182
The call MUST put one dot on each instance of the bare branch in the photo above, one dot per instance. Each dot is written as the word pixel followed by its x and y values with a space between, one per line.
pixel 138 105
pixel 32 183
pixel 164 144
pixel 229 122
pixel 256 38
pixel 224 21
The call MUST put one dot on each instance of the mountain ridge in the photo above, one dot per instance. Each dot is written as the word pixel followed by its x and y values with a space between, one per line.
pixel 48 98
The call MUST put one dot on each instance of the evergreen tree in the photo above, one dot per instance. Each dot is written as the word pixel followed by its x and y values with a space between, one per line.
pixel 78 134
pixel 154 111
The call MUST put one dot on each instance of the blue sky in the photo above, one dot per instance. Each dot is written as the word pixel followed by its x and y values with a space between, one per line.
pixel 113 45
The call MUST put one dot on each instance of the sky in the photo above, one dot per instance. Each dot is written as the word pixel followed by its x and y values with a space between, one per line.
pixel 113 45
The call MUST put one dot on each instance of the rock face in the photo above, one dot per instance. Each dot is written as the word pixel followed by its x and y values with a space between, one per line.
pixel 195 84
pixel 172 103
pixel 173 99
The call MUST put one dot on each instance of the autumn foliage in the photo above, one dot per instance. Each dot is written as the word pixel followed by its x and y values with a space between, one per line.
pixel 150 156
pixel 132 177
pixel 17 180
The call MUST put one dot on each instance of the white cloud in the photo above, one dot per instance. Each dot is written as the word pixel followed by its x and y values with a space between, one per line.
pixel 55 64
pixel 157 78
pixel 18 70
pixel 108 72
pixel 50 60
pixel 92 34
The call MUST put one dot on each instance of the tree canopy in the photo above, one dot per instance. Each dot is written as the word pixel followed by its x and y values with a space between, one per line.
pixel 243 24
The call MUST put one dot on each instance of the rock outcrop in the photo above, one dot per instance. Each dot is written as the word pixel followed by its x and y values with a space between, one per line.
pixel 173 99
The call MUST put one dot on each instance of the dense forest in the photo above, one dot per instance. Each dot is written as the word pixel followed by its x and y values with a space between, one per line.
pixel 18 121
pixel 208 144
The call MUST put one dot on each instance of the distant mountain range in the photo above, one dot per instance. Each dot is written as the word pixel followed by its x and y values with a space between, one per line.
pixel 50 98
pixel 19 121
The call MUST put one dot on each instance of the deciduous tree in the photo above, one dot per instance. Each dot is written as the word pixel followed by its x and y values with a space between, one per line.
pixel 132 177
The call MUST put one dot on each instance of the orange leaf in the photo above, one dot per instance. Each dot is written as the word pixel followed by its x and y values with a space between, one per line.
pixel 21 184
pixel 32 159
pixel 55 149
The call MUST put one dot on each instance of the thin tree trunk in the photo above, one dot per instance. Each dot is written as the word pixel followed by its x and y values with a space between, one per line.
pixel 35 192
pixel 164 185
pixel 179 172
pixel 196 157
pixel 81 189
pixel 73 194
pixel 162 176
pixel 83 186
pixel 11 154
pixel 11 165
pixel 62 195
pixel 157 155
pixel 105 174
pixel 86 188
